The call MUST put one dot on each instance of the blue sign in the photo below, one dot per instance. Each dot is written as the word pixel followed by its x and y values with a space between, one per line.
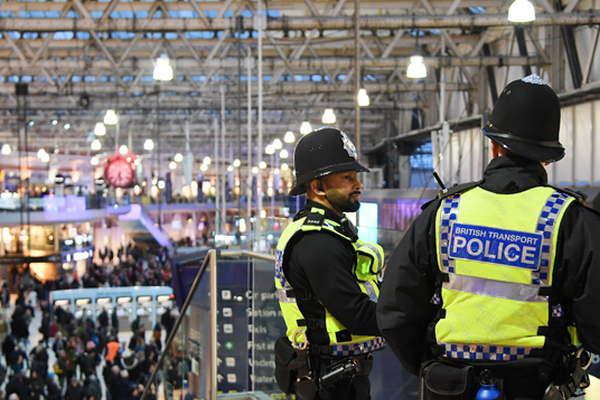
pixel 498 246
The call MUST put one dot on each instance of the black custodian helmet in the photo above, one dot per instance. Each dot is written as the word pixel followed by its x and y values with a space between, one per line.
pixel 322 152
pixel 526 120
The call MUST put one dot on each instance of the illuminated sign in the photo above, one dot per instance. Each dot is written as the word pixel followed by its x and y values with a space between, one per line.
pixel 78 255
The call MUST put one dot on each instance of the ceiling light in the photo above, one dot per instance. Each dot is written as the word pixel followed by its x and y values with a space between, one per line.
pixel 54 122
pixel 43 156
pixel 100 129
pixel 363 98
pixel 162 69
pixel 328 116
pixel 277 144
pixel 285 167
pixel 123 150
pixel 269 149
pixel 161 184
pixel 95 160
pixel 284 154
pixel 178 157
pixel 6 150
pixel 31 123
pixel 305 128
pixel 255 170
pixel 206 160
pixel 237 163
pixel 289 137
pixel 416 68
pixel 276 171
pixel 521 11
pixel 172 165
pixel 67 126
pixel 111 118
pixel 96 145
pixel 148 145
pixel 204 167
pixel 262 165
pixel 230 168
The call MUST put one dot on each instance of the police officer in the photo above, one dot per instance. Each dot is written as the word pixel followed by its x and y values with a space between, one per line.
pixel 326 278
pixel 500 279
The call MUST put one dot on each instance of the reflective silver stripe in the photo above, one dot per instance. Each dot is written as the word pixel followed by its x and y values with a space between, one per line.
pixel 283 297
pixel 370 291
pixel 376 252
pixel 493 288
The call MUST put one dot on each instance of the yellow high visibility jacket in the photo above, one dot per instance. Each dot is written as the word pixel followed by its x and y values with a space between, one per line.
pixel 369 263
pixel 498 253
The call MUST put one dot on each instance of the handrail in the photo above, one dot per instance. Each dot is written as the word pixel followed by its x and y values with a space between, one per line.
pixel 186 303
pixel 247 253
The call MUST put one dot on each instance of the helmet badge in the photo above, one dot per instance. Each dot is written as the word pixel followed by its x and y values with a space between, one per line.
pixel 534 79
pixel 348 145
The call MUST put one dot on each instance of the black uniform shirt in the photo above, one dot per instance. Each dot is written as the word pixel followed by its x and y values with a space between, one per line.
pixel 319 268
pixel 404 311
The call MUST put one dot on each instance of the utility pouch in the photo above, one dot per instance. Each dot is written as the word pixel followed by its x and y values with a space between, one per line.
pixel 292 370
pixel 441 381
pixel 284 357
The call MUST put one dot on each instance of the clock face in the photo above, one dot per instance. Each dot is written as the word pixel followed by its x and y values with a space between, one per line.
pixel 119 173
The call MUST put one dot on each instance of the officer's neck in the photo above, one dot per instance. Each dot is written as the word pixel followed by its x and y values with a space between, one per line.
pixel 322 200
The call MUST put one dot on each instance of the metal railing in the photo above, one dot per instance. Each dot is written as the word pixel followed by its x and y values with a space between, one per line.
pixel 209 260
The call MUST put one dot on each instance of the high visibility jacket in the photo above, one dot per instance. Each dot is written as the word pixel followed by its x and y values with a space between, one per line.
pixel 498 253
pixel 369 263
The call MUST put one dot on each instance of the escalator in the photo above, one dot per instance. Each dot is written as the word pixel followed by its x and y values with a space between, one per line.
pixel 142 228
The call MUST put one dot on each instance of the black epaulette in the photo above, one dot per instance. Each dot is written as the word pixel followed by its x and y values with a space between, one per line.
pixel 580 197
pixel 463 187
pixel 314 219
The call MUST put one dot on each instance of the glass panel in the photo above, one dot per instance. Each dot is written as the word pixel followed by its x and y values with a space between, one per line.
pixel 268 326
pixel 248 323
pixel 197 347
pixel 232 325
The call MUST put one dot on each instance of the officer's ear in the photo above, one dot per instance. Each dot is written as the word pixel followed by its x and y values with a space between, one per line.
pixel 316 186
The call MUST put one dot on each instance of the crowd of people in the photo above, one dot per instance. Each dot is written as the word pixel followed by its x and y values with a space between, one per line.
pixel 83 358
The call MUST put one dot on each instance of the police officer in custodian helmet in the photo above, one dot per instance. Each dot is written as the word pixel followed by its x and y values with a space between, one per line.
pixel 326 278
pixel 497 283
